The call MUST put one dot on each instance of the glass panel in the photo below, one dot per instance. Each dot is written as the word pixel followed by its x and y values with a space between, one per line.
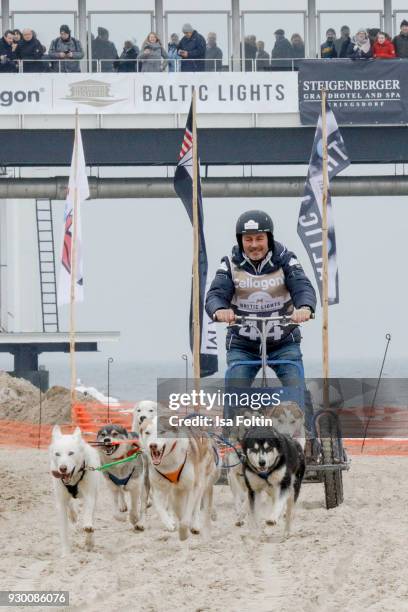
pixel 46 26
pixel 263 26
pixel 44 5
pixel 349 5
pixel 265 5
pixel 203 23
pixel 122 26
pixel 353 20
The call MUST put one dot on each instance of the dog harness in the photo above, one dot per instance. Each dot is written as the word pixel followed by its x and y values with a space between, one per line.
pixel 120 481
pixel 173 477
pixel 123 481
pixel 73 489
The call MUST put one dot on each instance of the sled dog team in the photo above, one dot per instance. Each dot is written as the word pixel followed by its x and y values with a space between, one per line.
pixel 175 474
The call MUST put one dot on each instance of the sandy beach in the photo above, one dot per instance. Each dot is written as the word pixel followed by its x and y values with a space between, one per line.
pixel 350 558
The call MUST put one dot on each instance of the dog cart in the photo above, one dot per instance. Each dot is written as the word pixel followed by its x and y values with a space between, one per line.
pixel 326 459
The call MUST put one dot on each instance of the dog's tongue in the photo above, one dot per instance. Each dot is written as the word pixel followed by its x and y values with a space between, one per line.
pixel 156 457
pixel 57 474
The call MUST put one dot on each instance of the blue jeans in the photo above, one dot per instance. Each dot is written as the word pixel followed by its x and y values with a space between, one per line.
pixel 289 374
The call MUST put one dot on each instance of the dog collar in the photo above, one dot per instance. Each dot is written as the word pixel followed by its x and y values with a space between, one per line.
pixel 73 489
pixel 173 477
pixel 133 451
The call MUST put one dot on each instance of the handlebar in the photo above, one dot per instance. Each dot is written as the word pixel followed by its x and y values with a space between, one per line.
pixel 279 320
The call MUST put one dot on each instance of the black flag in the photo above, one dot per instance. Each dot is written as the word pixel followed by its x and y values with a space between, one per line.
pixel 310 215
pixel 183 185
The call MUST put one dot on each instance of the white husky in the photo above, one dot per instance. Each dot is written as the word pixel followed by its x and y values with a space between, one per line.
pixel 146 409
pixel 182 474
pixel 70 458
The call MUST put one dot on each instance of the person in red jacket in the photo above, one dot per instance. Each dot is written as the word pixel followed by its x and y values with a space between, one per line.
pixel 383 48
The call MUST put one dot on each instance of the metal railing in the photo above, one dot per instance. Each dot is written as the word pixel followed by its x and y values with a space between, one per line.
pixel 157 65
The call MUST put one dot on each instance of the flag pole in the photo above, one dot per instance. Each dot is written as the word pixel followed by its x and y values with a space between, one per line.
pixel 74 266
pixel 196 279
pixel 325 257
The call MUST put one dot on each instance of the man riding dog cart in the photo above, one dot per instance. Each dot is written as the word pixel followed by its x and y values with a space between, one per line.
pixel 262 278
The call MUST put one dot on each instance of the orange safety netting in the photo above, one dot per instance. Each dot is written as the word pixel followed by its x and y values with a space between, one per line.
pixel 91 416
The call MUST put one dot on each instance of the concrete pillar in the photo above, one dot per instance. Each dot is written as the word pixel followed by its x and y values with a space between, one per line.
pixel 82 26
pixel 159 20
pixel 5 15
pixel 311 28
pixel 388 17
pixel 236 35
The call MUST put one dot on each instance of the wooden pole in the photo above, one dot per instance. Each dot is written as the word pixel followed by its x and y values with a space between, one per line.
pixel 325 257
pixel 74 267
pixel 196 243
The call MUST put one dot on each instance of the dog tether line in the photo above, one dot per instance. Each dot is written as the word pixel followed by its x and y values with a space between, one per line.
pixel 102 468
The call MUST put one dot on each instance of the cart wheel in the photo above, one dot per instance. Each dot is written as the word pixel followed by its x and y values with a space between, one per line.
pixel 331 453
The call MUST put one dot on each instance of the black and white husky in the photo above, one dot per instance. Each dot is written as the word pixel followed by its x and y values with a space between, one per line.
pixel 116 443
pixel 269 463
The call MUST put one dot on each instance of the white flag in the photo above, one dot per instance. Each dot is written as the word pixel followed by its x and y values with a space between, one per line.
pixel 77 187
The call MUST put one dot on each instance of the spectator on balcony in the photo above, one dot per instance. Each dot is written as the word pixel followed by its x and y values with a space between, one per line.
pixel 372 35
pixel 104 50
pixel 17 35
pixel 191 50
pixel 8 52
pixel 30 50
pixel 262 59
pixel 383 48
pixel 172 52
pixel 67 50
pixel 250 51
pixel 360 47
pixel 401 41
pixel 152 54
pixel 127 60
pixel 282 47
pixel 298 46
pixel 328 49
pixel 213 54
pixel 343 42
pixel 281 50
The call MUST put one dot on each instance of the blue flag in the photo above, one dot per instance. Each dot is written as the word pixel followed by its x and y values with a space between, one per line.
pixel 183 185
pixel 310 215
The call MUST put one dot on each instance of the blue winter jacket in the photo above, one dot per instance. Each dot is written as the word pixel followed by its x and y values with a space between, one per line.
pixel 222 290
pixel 195 47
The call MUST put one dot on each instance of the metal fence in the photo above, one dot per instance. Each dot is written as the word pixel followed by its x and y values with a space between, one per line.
pixel 47 65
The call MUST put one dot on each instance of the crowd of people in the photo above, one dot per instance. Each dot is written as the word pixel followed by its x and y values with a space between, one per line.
pixel 188 52
pixel 367 43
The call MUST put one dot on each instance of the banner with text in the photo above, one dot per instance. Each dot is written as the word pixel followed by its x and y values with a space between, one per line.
pixel 358 91
pixel 161 93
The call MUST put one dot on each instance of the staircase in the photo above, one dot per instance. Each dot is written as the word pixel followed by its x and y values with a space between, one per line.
pixel 46 255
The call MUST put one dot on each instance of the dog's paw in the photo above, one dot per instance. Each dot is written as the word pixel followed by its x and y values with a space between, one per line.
pixel 270 522
pixel 139 527
pixel 122 507
pixel 239 523
pixel 195 530
pixel 72 515
pixel 183 532
pixel 88 529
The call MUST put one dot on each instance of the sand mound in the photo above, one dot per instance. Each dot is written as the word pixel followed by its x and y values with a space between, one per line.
pixel 20 401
